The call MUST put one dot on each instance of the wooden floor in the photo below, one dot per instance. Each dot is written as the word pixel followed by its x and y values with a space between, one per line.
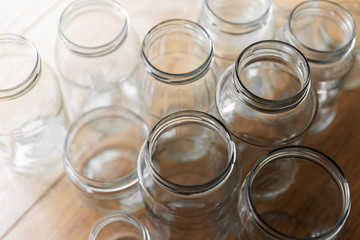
pixel 44 207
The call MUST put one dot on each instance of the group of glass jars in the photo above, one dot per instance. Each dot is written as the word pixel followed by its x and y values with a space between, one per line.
pixel 198 131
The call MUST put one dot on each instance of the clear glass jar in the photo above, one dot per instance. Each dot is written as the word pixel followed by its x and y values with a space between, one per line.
pixel 32 118
pixel 97 55
pixel 266 100
pixel 314 206
pixel 235 24
pixel 282 10
pixel 189 177
pixel 101 150
pixel 325 33
pixel 178 71
pixel 119 226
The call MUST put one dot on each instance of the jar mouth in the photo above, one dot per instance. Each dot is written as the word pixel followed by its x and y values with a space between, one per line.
pixel 313 156
pixel 172 124
pixel 94 120
pixel 286 56
pixel 172 35
pixel 100 14
pixel 341 19
pixel 21 56
pixel 239 26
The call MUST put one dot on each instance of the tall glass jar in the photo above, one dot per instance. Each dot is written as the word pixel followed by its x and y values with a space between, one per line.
pixel 32 118
pixel 325 33
pixel 178 71
pixel 235 24
pixel 97 54
pixel 189 177
pixel 314 206
pixel 265 99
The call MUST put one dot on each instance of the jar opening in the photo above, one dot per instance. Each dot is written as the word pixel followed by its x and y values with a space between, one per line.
pixel 20 65
pixel 177 51
pixel 93 27
pixel 190 152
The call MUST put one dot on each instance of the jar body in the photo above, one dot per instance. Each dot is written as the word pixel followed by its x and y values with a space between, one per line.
pixel 33 120
pixel 328 46
pixel 177 71
pixel 97 55
pixel 189 178
pixel 266 99
pixel 234 25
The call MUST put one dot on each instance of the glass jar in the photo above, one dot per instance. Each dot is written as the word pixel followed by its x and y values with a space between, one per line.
pixel 119 226
pixel 97 55
pixel 178 70
pixel 325 33
pixel 101 150
pixel 234 25
pixel 314 206
pixel 32 118
pixel 189 177
pixel 265 99
pixel 282 10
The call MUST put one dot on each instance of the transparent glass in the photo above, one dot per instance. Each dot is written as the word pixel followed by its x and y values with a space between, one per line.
pixel 315 205
pixel 266 99
pixel 118 226
pixel 178 71
pixel 235 24
pixel 189 177
pixel 325 33
pixel 282 10
pixel 32 118
pixel 97 55
pixel 101 150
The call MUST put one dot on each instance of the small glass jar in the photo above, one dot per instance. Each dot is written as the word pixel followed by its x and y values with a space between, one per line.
pixel 314 206
pixel 189 177
pixel 325 33
pixel 97 55
pixel 177 71
pixel 118 226
pixel 235 24
pixel 101 150
pixel 266 100
pixel 32 118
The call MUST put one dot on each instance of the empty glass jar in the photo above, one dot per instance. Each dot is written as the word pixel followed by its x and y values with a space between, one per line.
pixel 315 205
pixel 189 178
pixel 266 100
pixel 119 226
pixel 32 118
pixel 177 71
pixel 97 54
pixel 325 33
pixel 235 24
pixel 101 150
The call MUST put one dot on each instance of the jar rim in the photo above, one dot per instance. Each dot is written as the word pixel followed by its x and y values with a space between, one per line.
pixel 178 78
pixel 28 83
pixel 308 154
pixel 93 51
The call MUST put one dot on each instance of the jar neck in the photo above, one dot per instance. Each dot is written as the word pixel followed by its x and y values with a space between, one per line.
pixel 224 15
pixel 289 60
pixel 70 16
pixel 321 17
pixel 18 50
pixel 183 43
pixel 170 125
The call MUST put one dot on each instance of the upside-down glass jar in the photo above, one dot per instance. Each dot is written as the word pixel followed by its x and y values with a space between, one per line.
pixel 97 55
pixel 325 33
pixel 265 99
pixel 178 71
pixel 190 178
pixel 101 150
pixel 33 121
pixel 235 24
pixel 314 206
